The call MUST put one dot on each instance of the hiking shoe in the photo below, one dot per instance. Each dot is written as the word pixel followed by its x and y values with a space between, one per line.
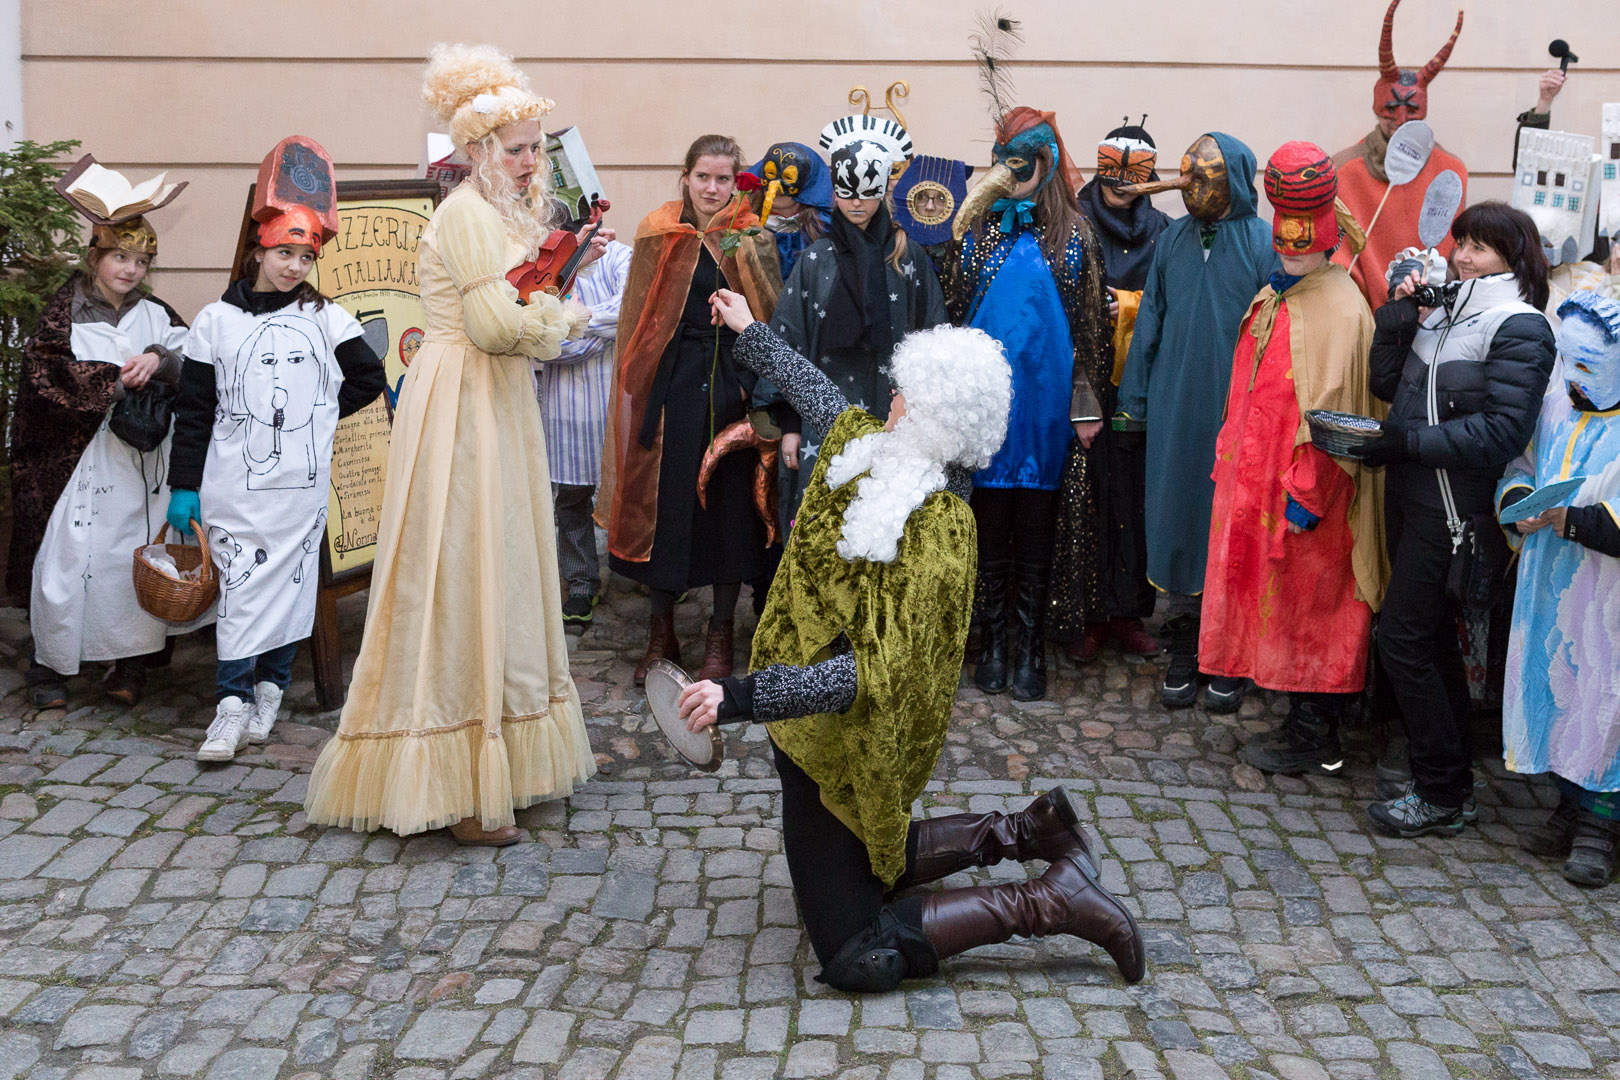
pixel 1553 838
pixel 1412 815
pixel 1470 806
pixel 1225 694
pixel 1307 742
pixel 577 609
pixel 50 694
pixel 1594 850
pixel 1180 686
pixel 266 705
pixel 125 682
pixel 228 732
pixel 1385 790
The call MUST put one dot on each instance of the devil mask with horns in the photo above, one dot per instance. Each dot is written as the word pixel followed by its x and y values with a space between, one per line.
pixel 1402 94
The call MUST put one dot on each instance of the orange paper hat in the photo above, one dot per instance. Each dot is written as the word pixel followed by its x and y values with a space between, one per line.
pixel 297 173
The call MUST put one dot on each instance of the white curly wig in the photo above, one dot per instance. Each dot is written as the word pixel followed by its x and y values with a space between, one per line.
pixel 958 390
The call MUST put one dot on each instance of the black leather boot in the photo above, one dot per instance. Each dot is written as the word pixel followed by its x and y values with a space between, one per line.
pixel 1067 899
pixel 990 675
pixel 1029 665
pixel 1047 828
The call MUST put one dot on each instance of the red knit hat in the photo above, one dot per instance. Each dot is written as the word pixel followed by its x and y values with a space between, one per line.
pixel 1303 187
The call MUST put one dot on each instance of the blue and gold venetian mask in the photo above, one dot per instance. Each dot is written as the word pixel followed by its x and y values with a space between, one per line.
pixel 1022 153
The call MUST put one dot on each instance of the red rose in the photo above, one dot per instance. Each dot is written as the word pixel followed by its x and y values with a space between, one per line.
pixel 747 181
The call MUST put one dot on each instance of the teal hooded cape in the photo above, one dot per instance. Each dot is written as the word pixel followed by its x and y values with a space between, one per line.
pixel 1180 365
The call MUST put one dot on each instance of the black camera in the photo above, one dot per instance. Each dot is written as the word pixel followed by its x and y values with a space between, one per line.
pixel 1433 296
pixel 1427 295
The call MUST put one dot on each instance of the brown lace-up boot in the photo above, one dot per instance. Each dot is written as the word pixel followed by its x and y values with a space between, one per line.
pixel 717 650
pixel 662 644
pixel 1067 899
pixel 1048 828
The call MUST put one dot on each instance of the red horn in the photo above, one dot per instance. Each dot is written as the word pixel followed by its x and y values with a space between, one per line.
pixel 1386 45
pixel 1432 68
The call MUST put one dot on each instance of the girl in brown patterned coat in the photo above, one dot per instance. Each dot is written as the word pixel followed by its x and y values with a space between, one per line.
pixel 98 337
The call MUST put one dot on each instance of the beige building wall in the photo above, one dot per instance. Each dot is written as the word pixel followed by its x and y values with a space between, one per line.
pixel 204 88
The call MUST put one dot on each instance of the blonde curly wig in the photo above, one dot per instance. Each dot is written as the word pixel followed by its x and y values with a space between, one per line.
pixel 958 391
pixel 474 89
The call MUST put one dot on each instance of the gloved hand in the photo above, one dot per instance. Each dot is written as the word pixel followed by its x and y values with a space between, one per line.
pixel 183 507
pixel 1391 447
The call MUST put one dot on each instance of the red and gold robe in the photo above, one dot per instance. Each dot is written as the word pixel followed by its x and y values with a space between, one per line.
pixel 1292 611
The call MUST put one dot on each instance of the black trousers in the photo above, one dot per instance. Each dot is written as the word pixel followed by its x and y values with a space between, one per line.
pixel 1015 525
pixel 1420 653
pixel 838 894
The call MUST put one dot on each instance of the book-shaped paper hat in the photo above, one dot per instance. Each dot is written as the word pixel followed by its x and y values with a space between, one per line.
pixel 297 174
pixel 105 197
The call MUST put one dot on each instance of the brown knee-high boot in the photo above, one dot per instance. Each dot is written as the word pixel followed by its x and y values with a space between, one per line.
pixel 1067 899
pixel 1046 829
pixel 662 644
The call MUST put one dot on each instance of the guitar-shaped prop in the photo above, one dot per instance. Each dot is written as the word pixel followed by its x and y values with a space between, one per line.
pixel 554 269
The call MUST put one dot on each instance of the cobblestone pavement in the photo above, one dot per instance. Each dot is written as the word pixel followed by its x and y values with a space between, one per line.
pixel 158 918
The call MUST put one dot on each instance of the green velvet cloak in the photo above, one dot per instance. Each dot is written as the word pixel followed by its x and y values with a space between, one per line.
pixel 907 621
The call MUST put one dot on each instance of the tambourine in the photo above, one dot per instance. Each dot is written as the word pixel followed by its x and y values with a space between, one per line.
pixel 702 749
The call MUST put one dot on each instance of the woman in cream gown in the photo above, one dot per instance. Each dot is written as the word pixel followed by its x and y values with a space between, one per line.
pixel 461 709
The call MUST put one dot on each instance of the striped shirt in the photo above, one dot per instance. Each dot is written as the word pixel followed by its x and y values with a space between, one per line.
pixel 573 388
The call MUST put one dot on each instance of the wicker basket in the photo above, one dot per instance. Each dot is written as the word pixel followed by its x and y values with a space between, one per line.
pixel 1338 433
pixel 167 598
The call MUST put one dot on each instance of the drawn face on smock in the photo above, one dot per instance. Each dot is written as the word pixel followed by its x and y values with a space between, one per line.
pixel 1591 359
pixel 283 378
pixel 280 380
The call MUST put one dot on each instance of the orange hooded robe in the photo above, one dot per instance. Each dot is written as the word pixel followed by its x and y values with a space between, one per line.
pixel 664 256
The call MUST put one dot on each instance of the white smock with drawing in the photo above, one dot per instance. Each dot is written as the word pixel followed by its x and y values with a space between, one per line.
pixel 264 488
pixel 82 604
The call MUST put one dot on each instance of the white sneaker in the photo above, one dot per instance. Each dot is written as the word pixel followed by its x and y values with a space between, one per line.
pixel 266 704
pixel 228 731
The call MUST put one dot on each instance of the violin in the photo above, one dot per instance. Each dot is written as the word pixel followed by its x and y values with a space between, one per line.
pixel 553 271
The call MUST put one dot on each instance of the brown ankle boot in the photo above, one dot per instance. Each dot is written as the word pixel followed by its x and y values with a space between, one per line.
pixel 1046 829
pixel 717 651
pixel 1067 899
pixel 662 644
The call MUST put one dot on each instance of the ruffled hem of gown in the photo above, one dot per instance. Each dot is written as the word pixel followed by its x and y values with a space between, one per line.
pixel 429 778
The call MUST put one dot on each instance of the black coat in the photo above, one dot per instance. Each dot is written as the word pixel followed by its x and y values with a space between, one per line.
pixel 1487 407
pixel 694 546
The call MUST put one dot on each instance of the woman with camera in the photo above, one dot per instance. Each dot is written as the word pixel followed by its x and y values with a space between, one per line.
pixel 1464 379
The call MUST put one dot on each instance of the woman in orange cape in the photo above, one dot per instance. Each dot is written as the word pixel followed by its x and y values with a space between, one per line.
pixel 674 389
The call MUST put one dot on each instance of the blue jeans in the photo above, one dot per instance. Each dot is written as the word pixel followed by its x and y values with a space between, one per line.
pixel 236 678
